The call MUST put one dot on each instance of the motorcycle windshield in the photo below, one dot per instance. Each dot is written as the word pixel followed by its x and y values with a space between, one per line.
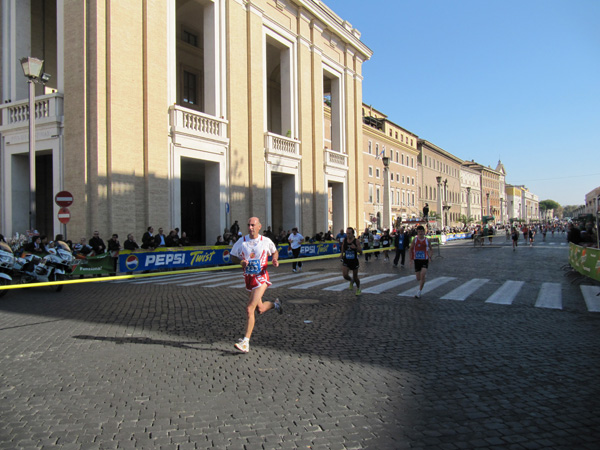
pixel 5 248
pixel 62 246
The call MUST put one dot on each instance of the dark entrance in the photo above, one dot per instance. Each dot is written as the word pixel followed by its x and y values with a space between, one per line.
pixel 193 205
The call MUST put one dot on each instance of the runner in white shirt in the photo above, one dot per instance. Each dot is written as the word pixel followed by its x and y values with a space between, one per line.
pixel 295 241
pixel 252 252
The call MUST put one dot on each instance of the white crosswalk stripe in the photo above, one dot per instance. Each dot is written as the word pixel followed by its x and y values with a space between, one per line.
pixel 344 285
pixel 550 296
pixel 507 293
pixel 466 289
pixel 592 299
pixel 430 285
pixel 378 289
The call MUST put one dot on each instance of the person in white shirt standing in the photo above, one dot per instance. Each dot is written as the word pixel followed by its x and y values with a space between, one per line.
pixel 295 241
pixel 252 253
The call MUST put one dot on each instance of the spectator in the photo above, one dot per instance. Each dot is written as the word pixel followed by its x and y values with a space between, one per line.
pixel 184 241
pixel 113 247
pixel 160 239
pixel 340 236
pixel 35 246
pixel 220 240
pixel 97 243
pixel 130 243
pixel 295 239
pixel 235 228
pixel 172 239
pixel 82 249
pixel 148 239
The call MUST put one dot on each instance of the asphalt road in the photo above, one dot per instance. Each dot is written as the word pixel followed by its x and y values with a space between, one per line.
pixel 510 360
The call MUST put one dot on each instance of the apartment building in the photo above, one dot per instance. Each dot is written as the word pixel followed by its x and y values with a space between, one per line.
pixel 470 194
pixel 514 196
pixel 390 191
pixel 183 113
pixel 440 184
pixel 490 188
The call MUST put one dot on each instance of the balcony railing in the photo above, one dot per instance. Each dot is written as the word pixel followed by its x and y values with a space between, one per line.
pixel 336 159
pixel 48 108
pixel 282 146
pixel 196 124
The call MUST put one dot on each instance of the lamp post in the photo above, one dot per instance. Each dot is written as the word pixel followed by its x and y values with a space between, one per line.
pixel 32 69
pixel 487 196
pixel 468 201
pixel 387 219
pixel 439 200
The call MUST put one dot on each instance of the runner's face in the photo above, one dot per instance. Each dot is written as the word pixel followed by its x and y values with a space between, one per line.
pixel 253 227
pixel 421 233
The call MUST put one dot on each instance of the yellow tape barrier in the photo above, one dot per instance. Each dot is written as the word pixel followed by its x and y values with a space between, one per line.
pixel 171 272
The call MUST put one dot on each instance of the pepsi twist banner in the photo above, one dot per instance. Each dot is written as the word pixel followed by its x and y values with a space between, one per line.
pixel 195 257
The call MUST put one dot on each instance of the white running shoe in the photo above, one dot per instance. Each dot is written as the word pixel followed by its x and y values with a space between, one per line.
pixel 242 346
pixel 418 294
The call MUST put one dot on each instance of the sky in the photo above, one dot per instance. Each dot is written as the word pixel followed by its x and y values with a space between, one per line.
pixel 510 80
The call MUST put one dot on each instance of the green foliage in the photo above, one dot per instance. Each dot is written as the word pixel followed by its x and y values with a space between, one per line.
pixel 465 220
pixel 549 204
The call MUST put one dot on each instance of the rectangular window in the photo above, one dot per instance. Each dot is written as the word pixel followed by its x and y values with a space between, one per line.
pixel 402 158
pixel 370 148
pixel 189 38
pixel 370 193
pixel 189 88
pixel 377 173
pixel 377 194
pixel 370 171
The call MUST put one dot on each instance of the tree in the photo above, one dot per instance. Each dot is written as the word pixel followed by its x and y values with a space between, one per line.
pixel 465 220
pixel 549 204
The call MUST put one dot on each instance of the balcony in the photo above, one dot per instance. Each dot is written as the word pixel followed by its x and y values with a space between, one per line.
pixel 276 145
pixel 335 160
pixel 189 124
pixel 48 118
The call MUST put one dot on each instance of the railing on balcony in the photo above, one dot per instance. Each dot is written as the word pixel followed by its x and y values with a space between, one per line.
pixel 281 145
pixel 48 108
pixel 336 159
pixel 194 123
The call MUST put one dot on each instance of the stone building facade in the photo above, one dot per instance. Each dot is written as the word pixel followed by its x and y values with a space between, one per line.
pixel 183 113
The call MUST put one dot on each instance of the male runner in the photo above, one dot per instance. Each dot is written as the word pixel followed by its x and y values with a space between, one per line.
pixel 252 252
pixel 419 253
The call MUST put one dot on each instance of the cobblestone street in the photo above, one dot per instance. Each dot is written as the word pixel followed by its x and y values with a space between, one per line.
pixel 152 365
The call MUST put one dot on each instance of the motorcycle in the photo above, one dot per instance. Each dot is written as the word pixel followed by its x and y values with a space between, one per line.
pixel 52 267
pixel 7 263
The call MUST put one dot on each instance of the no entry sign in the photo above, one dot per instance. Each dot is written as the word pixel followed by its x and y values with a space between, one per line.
pixel 64 215
pixel 64 199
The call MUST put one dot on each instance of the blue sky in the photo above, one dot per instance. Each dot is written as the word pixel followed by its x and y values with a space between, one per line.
pixel 515 80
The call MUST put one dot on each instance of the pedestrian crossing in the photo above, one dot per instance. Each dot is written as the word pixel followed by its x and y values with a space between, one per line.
pixel 549 295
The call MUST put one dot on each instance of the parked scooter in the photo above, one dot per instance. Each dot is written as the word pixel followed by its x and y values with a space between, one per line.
pixel 7 263
pixel 52 267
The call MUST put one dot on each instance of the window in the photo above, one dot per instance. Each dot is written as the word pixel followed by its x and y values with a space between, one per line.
pixel 370 193
pixel 370 171
pixel 397 178
pixel 377 173
pixel 396 135
pixel 376 149
pixel 413 181
pixel 392 179
pixel 370 148
pixel 402 179
pixel 412 162
pixel 397 156
pixel 189 38
pixel 402 158
pixel 189 88
pixel 377 195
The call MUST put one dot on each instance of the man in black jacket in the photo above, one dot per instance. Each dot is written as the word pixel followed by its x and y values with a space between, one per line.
pixel 148 239
pixel 97 243
pixel 400 243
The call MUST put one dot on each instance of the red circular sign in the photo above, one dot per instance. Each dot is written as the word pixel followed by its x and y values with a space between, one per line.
pixel 63 198
pixel 64 215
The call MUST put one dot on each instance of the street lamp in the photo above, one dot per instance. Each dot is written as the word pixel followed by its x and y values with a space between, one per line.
pixel 387 219
pixel 487 195
pixel 439 201
pixel 32 69
pixel 468 202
